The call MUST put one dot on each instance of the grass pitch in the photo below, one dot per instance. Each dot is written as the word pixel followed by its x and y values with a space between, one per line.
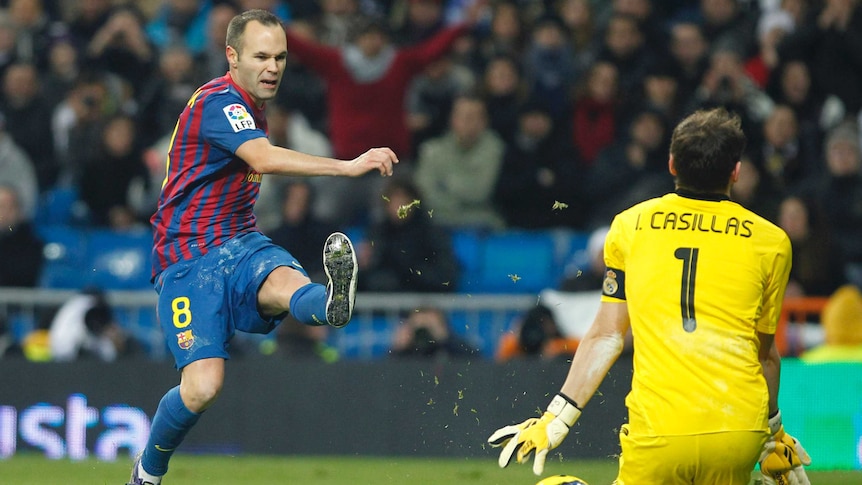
pixel 25 469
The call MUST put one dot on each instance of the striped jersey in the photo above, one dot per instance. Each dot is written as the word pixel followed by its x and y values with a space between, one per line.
pixel 208 193
pixel 700 276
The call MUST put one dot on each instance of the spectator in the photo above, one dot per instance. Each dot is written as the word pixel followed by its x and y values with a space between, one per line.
pixel 85 328
pixel 87 18
pixel 659 92
pixel 813 250
pixel 106 178
pixel 29 120
pixel 288 128
pixel 539 172
pixel 430 97
pixel 77 123
pixel 625 47
pixel 334 25
pixel 771 28
pixel 8 55
pixel 838 193
pixel 536 335
pixel 729 20
pixel 783 154
pixel 180 23
pixel 588 275
pixel 650 17
pixel 17 171
pixel 297 341
pixel 689 57
pixel 298 230
pixel 631 170
pixel 407 251
pixel 63 70
pixel 421 19
pixel 166 92
pixel 506 37
pixel 577 16
pixel 756 192
pixel 503 91
pixel 816 114
pixel 828 41
pixel 594 118
pixel 726 84
pixel 144 190
pixel 211 61
pixel 426 333
pixel 841 320
pixel 34 31
pixel 457 172
pixel 302 88
pixel 549 68
pixel 121 46
pixel 20 247
pixel 367 83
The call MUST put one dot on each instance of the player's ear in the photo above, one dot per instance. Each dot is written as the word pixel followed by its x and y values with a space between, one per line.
pixel 734 176
pixel 670 166
pixel 232 56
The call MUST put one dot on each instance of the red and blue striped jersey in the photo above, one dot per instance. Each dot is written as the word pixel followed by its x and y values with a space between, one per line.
pixel 208 193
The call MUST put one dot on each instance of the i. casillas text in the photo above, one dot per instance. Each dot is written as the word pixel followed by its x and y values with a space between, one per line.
pixel 695 221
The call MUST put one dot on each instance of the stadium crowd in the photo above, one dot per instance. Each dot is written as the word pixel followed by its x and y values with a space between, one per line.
pixel 506 114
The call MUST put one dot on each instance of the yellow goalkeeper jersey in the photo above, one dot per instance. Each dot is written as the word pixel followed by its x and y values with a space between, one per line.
pixel 700 278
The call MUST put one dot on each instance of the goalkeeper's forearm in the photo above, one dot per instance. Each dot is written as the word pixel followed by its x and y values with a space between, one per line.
pixel 598 351
pixel 770 361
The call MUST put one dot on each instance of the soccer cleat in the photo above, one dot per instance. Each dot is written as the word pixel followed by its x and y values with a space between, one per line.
pixel 135 479
pixel 339 262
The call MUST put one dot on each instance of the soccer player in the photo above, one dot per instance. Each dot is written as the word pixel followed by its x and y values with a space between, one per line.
pixel 699 280
pixel 215 273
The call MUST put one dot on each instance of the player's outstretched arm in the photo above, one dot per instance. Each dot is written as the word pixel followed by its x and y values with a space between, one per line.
pixel 264 157
pixel 597 352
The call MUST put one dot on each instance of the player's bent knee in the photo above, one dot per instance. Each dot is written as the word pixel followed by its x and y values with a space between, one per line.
pixel 202 383
pixel 274 295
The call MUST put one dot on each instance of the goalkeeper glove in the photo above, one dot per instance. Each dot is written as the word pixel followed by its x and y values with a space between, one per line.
pixel 783 457
pixel 537 434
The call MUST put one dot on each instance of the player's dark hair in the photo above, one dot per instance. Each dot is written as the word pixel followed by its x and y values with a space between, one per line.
pixel 236 27
pixel 705 147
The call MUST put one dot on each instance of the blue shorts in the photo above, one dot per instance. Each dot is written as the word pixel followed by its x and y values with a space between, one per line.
pixel 203 301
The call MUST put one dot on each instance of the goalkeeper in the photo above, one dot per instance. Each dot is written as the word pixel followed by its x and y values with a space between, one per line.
pixel 700 280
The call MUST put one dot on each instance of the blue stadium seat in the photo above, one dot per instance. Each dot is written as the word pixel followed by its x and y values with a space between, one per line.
pixel 571 252
pixel 120 261
pixel 59 206
pixel 467 245
pixel 518 262
pixel 64 253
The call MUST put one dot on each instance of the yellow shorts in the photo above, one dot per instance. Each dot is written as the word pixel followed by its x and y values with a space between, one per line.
pixel 725 458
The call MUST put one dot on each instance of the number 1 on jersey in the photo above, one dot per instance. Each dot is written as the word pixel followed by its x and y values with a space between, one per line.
pixel 689 271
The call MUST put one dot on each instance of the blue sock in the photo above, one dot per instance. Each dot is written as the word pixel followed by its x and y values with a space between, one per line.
pixel 308 304
pixel 170 425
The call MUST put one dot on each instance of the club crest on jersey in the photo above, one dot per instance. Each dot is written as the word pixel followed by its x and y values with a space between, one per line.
pixel 238 117
pixel 610 285
pixel 185 339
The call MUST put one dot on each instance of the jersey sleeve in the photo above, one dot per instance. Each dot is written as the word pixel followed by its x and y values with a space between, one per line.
pixel 614 282
pixel 776 283
pixel 228 122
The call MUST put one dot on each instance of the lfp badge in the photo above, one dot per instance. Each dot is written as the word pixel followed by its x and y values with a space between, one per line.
pixel 238 117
